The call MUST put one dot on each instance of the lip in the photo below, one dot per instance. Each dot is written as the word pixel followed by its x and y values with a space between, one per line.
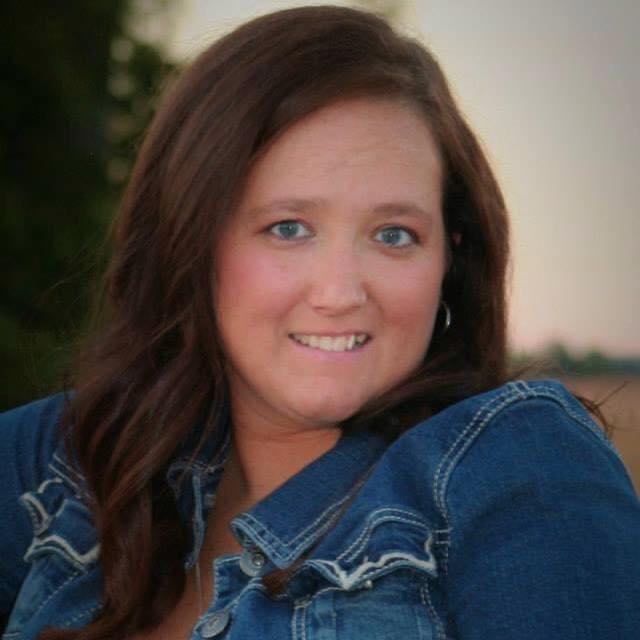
pixel 330 355
pixel 331 334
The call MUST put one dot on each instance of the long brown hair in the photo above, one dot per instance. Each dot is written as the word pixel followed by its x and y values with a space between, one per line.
pixel 156 368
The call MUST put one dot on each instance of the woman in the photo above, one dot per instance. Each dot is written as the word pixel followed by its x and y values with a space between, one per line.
pixel 293 424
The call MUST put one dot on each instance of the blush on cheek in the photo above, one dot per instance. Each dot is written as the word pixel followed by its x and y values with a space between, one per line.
pixel 254 285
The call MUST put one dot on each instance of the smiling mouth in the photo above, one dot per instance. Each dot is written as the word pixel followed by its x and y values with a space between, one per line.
pixel 347 342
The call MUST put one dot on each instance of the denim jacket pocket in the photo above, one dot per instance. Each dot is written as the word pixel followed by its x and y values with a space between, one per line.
pixel 376 586
pixel 63 550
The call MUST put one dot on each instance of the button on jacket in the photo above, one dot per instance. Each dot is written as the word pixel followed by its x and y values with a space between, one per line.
pixel 506 516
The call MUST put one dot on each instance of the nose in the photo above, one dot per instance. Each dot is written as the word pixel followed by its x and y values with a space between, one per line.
pixel 337 282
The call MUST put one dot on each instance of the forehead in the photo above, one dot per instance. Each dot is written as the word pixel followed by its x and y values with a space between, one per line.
pixel 366 146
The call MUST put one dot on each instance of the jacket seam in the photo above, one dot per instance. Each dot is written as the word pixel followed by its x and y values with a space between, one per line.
pixel 425 596
pixel 286 551
pixel 464 441
pixel 516 391
pixel 299 611
pixel 550 393
pixel 78 616
pixel 65 472
pixel 72 576
pixel 375 519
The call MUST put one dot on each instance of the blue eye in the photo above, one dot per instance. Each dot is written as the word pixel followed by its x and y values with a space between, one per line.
pixel 395 237
pixel 289 230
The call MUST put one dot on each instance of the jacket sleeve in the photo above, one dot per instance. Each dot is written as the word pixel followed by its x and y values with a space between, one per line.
pixel 545 531
pixel 28 437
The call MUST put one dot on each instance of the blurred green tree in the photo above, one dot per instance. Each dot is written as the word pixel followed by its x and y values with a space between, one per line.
pixel 76 90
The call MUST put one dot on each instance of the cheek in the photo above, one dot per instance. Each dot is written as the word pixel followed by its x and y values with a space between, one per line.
pixel 412 294
pixel 249 283
pixel 411 304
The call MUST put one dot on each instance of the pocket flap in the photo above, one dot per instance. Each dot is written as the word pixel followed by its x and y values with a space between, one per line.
pixel 390 539
pixel 61 524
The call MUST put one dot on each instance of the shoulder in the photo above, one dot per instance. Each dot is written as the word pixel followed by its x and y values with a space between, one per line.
pixel 45 410
pixel 30 436
pixel 534 434
pixel 45 522
pixel 545 402
pixel 29 443
pixel 534 509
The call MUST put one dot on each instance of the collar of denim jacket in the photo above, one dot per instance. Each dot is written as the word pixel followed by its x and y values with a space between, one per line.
pixel 194 475
pixel 292 518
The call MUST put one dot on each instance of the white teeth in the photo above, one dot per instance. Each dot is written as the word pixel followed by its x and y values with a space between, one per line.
pixel 327 343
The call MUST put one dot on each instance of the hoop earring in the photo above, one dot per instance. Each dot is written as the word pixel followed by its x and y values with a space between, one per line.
pixel 447 317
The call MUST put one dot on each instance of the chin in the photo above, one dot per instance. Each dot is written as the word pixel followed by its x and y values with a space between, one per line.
pixel 329 412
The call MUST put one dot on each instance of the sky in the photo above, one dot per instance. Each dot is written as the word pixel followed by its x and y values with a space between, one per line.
pixel 552 88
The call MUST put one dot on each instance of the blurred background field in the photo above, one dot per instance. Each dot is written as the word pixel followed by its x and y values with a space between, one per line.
pixel 552 89
pixel 622 408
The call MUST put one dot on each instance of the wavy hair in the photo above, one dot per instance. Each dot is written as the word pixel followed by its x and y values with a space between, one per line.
pixel 156 368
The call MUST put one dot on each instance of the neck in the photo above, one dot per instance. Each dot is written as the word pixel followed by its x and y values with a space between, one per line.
pixel 261 459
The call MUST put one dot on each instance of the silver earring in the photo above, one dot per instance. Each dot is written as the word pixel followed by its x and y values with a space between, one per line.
pixel 447 316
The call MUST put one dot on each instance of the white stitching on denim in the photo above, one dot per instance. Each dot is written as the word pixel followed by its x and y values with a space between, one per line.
pixel 84 612
pixel 185 463
pixel 552 393
pixel 197 521
pixel 464 441
pixel 255 584
pixel 59 467
pixel 217 578
pixel 373 520
pixel 56 543
pixel 299 606
pixel 35 508
pixel 519 387
pixel 293 624
pixel 386 562
pixel 313 530
pixel 303 621
pixel 443 541
pixel 270 541
pixel 364 539
pixel 426 600
pixel 70 577
pixel 326 590
pixel 337 508
pixel 514 391
pixel 309 530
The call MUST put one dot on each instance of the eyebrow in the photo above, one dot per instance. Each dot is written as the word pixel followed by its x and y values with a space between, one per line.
pixel 401 208
pixel 300 205
pixel 303 205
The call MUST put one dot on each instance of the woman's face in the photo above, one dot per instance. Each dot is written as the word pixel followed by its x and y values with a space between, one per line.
pixel 328 274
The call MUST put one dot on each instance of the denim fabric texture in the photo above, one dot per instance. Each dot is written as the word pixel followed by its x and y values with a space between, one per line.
pixel 506 516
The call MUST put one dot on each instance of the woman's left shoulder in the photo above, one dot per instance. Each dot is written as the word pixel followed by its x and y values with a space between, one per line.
pixel 523 432
pixel 516 414
pixel 537 510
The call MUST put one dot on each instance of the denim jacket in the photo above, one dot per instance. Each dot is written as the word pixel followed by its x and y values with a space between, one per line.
pixel 505 516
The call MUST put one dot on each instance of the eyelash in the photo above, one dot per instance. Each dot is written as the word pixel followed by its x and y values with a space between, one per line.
pixel 410 235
